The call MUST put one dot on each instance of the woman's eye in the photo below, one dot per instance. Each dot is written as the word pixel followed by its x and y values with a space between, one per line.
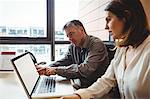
pixel 108 19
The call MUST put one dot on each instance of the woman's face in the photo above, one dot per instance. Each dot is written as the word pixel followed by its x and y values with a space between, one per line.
pixel 114 25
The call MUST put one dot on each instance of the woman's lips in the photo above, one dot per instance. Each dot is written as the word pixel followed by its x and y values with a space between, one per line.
pixel 110 32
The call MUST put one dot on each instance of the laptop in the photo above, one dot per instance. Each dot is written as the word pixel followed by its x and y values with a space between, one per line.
pixel 52 86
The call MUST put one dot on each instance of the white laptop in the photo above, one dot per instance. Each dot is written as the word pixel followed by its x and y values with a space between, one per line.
pixel 31 80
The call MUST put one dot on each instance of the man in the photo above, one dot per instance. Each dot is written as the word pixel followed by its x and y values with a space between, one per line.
pixel 85 61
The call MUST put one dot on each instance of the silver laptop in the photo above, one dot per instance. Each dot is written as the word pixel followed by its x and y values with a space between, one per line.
pixel 37 86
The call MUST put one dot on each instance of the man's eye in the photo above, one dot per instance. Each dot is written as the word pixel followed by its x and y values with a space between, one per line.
pixel 70 34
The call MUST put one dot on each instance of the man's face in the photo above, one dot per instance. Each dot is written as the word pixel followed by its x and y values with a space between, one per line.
pixel 75 34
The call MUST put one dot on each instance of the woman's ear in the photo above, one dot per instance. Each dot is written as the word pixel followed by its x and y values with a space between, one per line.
pixel 127 20
pixel 127 16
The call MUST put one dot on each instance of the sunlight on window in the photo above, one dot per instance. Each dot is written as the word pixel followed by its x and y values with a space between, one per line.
pixel 23 18
pixel 65 10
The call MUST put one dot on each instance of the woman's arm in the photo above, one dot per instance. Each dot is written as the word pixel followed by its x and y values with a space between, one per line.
pixel 74 96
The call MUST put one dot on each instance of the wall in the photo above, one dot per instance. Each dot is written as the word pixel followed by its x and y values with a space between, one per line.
pixel 92 15
pixel 146 4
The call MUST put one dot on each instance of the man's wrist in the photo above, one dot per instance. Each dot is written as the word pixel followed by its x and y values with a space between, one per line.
pixel 55 71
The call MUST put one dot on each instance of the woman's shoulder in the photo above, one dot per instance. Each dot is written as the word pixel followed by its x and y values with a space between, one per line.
pixel 148 39
pixel 145 44
pixel 119 52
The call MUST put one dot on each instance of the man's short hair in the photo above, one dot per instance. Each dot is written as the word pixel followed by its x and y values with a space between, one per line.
pixel 73 23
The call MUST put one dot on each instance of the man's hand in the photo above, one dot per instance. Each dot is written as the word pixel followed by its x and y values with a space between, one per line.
pixel 41 70
pixel 46 70
pixel 50 71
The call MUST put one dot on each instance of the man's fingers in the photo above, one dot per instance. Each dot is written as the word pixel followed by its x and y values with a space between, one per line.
pixel 38 67
pixel 41 71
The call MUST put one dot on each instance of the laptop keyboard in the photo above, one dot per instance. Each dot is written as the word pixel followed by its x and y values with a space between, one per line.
pixel 47 85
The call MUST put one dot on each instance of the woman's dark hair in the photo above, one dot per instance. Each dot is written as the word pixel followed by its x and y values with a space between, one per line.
pixel 76 23
pixel 136 24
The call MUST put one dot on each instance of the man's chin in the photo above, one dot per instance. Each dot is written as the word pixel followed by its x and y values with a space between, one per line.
pixel 75 44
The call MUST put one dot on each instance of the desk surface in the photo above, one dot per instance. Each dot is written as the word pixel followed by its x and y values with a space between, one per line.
pixel 10 87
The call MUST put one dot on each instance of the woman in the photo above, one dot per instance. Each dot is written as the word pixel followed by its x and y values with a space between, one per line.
pixel 130 68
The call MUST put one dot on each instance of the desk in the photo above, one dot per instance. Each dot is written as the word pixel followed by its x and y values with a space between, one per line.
pixel 10 87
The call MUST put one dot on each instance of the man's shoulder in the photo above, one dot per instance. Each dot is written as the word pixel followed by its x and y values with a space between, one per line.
pixel 95 43
pixel 95 40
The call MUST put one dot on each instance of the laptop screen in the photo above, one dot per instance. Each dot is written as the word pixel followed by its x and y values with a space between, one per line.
pixel 26 69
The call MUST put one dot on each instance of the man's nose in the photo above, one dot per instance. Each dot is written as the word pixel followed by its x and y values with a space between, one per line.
pixel 70 39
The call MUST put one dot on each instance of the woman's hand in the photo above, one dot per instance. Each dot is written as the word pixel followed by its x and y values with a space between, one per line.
pixel 71 97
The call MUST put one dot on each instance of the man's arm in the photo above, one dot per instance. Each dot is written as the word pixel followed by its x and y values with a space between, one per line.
pixel 67 60
pixel 51 69
pixel 97 58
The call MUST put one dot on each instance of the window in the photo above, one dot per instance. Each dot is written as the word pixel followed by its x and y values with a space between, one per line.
pixel 26 21
pixel 39 50
pixel 65 10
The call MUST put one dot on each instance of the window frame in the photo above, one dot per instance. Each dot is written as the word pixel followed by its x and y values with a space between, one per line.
pixel 37 40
